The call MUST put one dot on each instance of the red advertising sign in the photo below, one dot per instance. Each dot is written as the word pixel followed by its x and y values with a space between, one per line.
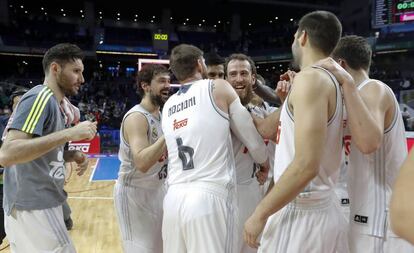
pixel 410 143
pixel 87 147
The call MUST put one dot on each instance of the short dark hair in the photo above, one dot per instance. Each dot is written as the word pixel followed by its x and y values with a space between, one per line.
pixel 355 50
pixel 62 54
pixel 213 59
pixel 183 60
pixel 323 29
pixel 241 57
pixel 147 73
pixel 18 92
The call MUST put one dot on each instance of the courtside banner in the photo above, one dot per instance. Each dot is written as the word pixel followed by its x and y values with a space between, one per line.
pixel 87 147
pixel 410 139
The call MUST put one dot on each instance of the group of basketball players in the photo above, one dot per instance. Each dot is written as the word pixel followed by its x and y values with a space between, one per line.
pixel 216 197
pixel 195 178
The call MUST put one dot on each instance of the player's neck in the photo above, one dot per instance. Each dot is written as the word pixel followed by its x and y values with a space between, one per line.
pixel 194 78
pixel 310 57
pixel 149 106
pixel 359 76
pixel 52 84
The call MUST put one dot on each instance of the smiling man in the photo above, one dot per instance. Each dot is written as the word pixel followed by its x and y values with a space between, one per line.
pixel 139 190
pixel 241 74
pixel 33 156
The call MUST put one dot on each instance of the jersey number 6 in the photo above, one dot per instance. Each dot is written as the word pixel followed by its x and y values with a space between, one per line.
pixel 183 151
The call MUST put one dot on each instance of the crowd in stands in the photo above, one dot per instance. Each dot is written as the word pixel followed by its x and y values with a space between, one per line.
pixel 107 95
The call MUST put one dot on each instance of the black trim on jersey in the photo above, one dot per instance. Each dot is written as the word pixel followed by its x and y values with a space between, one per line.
pixel 210 93
pixel 184 88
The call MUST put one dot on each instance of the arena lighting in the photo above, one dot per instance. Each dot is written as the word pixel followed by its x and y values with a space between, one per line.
pixel 21 54
pixel 392 51
pixel 125 53
pixel 151 61
pixel 273 61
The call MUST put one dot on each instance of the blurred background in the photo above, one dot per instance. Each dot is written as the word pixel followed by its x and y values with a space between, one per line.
pixel 118 37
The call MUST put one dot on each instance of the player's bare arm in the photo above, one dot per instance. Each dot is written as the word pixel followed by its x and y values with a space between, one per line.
pixel 241 122
pixel 21 147
pixel 309 101
pixel 367 108
pixel 265 92
pixel 402 206
pixel 135 132
pixel 267 127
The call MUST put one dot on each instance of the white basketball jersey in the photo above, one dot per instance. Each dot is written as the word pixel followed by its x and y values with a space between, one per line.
pixel 197 134
pixel 323 184
pixel 263 112
pixel 245 165
pixel 372 176
pixel 129 174
pixel 341 188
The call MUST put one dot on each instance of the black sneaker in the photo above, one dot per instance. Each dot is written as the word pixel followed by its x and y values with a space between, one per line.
pixel 69 223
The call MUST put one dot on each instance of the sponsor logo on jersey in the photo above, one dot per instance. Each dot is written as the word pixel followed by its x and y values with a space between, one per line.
pixel 361 219
pixel 179 124
pixel 57 169
pixel 347 144
pixel 154 133
pixel 344 201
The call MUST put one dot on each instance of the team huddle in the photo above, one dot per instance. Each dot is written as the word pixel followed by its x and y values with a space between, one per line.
pixel 244 176
pixel 219 170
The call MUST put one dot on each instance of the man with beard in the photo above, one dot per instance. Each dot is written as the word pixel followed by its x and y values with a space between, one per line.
pixel 139 190
pixel 241 74
pixel 301 212
pixel 200 214
pixel 33 156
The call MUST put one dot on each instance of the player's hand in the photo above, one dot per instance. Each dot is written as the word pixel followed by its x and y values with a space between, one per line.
pixel 252 229
pixel 282 89
pixel 257 121
pixel 340 73
pixel 284 84
pixel 85 130
pixel 82 162
pixel 288 76
pixel 262 173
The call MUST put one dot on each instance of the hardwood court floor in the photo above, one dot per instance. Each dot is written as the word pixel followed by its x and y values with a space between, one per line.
pixel 95 228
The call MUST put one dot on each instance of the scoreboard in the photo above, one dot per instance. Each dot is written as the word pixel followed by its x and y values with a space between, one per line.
pixel 160 41
pixel 392 12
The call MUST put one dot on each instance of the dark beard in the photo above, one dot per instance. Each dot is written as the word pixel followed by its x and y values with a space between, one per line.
pixel 248 97
pixel 60 82
pixel 157 100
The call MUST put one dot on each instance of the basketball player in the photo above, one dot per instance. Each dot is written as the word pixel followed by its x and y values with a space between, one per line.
pixel 32 154
pixel 402 206
pixel 139 190
pixel 301 209
pixel 215 66
pixel 377 148
pixel 200 214
pixel 215 70
pixel 241 74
